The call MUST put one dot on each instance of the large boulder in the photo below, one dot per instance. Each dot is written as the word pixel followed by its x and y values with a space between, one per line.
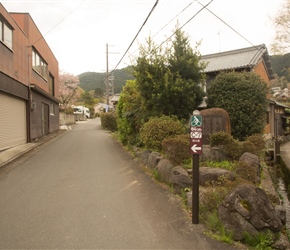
pixel 153 160
pixel 179 178
pixel 144 155
pixel 248 209
pixel 214 120
pixel 253 162
pixel 164 168
pixel 212 154
pixel 209 175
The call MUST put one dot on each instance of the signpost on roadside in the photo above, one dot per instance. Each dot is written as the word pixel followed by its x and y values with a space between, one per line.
pixel 195 150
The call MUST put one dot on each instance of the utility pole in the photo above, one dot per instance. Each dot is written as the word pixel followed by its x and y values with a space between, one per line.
pixel 108 79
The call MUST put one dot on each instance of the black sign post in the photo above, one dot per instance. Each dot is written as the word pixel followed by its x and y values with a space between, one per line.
pixel 196 150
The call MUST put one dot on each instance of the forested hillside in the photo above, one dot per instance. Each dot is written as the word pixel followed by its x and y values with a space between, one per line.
pixel 281 65
pixel 93 80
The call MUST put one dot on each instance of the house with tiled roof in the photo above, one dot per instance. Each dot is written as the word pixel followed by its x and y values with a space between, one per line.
pixel 251 59
pixel 255 59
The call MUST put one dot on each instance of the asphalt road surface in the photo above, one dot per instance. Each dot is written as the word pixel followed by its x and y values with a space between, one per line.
pixel 83 191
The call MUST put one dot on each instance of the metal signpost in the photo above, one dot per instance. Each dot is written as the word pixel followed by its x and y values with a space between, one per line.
pixel 195 150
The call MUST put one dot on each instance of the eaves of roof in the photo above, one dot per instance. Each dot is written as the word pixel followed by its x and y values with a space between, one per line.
pixel 245 58
pixel 277 103
pixel 43 92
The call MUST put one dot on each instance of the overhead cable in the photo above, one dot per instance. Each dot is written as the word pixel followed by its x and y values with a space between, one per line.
pixel 225 23
pixel 136 35
pixel 42 36
pixel 185 23
pixel 173 19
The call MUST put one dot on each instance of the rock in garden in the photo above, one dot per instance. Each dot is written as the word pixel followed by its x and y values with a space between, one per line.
pixel 153 160
pixel 212 153
pixel 253 161
pixel 248 209
pixel 144 155
pixel 164 168
pixel 214 120
pixel 179 178
pixel 209 175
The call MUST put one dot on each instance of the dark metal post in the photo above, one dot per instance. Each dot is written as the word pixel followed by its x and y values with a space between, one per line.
pixel 195 188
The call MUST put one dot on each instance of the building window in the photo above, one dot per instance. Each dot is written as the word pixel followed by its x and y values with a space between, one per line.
pixel 6 33
pixel 51 109
pixel 51 84
pixel 38 64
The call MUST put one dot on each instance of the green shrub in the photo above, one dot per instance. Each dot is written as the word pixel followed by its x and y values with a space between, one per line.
pixel 225 141
pixel 220 139
pixel 258 142
pixel 130 113
pixel 109 121
pixel 247 146
pixel 246 172
pixel 176 149
pixel 153 132
pixel 233 148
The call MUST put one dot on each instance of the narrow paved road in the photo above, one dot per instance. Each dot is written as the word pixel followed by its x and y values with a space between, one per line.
pixel 83 191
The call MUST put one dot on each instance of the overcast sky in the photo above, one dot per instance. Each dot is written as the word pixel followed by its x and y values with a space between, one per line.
pixel 77 31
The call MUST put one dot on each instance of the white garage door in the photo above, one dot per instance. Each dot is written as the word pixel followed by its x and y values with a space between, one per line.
pixel 12 121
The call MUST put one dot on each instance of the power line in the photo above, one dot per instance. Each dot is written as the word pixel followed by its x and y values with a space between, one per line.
pixel 136 35
pixel 204 6
pixel 173 19
pixel 42 36
pixel 226 23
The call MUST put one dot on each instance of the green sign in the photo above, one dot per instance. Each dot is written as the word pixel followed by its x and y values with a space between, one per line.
pixel 196 121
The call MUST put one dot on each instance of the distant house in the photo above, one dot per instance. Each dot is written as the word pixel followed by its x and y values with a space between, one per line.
pixel 115 99
pixel 102 108
pixel 251 59
pixel 29 89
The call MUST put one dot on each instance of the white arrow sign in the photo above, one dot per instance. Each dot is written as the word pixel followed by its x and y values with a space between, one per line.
pixel 194 148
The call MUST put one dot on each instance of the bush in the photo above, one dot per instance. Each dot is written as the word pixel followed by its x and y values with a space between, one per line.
pixel 153 132
pixel 225 141
pixel 220 139
pixel 258 142
pixel 234 148
pixel 130 114
pixel 109 121
pixel 176 149
pixel 246 172
pixel 247 146
pixel 244 96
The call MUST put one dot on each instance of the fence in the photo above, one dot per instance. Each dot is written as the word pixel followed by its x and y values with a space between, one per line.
pixel 66 119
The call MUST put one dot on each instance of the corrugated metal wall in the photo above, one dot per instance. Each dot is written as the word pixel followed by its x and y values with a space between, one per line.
pixel 12 121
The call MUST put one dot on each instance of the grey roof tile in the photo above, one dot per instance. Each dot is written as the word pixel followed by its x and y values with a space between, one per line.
pixel 237 59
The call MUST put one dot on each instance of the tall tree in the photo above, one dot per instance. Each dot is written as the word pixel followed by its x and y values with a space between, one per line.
pixel 98 92
pixel 169 81
pixel 243 96
pixel 87 99
pixel 68 89
pixel 281 21
pixel 130 113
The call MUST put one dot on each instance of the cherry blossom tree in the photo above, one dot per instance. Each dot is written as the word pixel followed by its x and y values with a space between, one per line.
pixel 68 89
pixel 281 21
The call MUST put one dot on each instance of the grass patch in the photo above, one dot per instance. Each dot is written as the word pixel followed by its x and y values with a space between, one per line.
pixel 228 165
pixel 261 241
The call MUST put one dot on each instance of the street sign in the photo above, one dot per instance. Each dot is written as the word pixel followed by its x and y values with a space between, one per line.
pixel 195 150
pixel 196 134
